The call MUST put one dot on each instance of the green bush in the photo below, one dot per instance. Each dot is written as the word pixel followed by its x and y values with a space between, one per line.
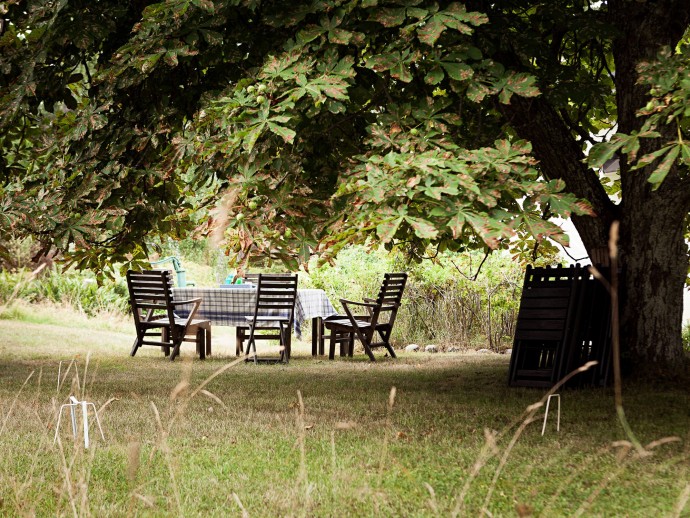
pixel 686 336
pixel 77 289
pixel 443 303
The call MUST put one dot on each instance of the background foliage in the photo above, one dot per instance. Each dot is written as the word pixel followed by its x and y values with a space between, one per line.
pixel 443 303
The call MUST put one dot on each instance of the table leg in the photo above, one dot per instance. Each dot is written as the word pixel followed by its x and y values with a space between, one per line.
pixel 239 339
pixel 317 346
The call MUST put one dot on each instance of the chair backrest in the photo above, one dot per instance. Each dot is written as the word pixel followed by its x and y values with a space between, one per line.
pixel 276 295
pixel 150 294
pixel 388 299
pixel 392 289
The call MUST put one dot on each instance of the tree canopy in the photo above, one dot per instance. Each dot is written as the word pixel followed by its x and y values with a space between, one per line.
pixel 320 123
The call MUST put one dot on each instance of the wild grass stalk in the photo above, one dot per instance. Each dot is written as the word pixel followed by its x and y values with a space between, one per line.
pixel 527 418
pixel 245 514
pixel 14 403
pixel 164 448
pixel 387 430
pixel 303 485
pixel 682 501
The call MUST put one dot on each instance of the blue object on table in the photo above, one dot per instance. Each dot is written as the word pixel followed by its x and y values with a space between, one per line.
pixel 237 286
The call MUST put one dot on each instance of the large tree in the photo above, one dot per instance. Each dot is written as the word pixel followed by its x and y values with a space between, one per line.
pixel 320 123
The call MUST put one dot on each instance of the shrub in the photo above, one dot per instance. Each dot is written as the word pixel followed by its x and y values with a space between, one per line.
pixel 443 302
pixel 77 289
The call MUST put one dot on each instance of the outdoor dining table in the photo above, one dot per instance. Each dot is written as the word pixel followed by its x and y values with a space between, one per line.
pixel 230 306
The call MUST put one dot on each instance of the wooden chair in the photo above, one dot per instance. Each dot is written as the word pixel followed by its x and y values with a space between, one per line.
pixel 378 322
pixel 153 306
pixel 274 312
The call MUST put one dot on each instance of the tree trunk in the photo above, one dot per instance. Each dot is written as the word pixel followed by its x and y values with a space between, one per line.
pixel 655 265
pixel 654 254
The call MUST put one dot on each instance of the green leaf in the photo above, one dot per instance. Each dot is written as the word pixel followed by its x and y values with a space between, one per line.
pixel 659 174
pixel 339 36
pixel 431 31
pixel 389 17
pixel 422 228
pixel 287 134
pixel 458 71
pixel 602 152
pixel 387 229
pixel 434 76
pixel 310 34
pixel 477 91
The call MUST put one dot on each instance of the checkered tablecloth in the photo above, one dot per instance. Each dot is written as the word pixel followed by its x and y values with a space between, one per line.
pixel 229 306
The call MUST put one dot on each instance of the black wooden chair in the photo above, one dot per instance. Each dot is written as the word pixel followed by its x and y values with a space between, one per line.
pixel 274 314
pixel 374 328
pixel 153 307
pixel 563 322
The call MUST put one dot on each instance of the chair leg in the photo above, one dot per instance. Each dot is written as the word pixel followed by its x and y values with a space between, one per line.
pixel 175 352
pixel 201 343
pixel 322 339
pixel 331 347
pixel 390 350
pixel 387 344
pixel 351 344
pixel 165 337
pixel 176 337
pixel 250 344
pixel 287 338
pixel 365 343
pixel 135 347
pixel 316 331
pixel 208 341
pixel 343 344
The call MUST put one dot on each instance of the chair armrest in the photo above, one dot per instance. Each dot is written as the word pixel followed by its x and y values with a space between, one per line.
pixel 363 304
pixel 192 313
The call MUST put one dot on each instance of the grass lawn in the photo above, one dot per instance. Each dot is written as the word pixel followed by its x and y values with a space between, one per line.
pixel 320 438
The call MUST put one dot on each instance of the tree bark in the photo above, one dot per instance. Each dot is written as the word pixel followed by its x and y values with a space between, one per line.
pixel 654 254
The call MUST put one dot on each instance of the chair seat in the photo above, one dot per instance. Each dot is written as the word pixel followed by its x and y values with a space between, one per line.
pixel 157 322
pixel 345 322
